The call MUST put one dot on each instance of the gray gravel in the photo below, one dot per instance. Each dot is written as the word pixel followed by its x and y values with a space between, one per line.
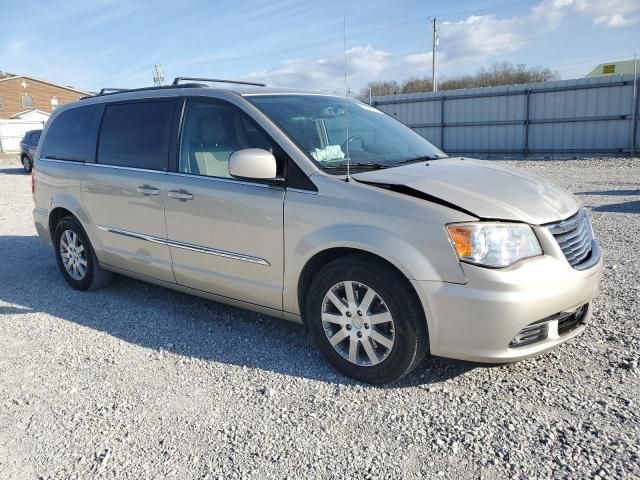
pixel 135 381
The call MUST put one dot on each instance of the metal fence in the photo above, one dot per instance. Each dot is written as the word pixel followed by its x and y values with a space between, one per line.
pixel 568 117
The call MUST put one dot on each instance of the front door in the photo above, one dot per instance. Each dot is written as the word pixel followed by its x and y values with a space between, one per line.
pixel 124 191
pixel 225 235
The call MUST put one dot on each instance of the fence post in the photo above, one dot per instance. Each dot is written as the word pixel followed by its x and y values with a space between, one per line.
pixel 442 122
pixel 527 102
pixel 634 129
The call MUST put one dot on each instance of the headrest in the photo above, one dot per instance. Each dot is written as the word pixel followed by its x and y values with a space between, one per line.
pixel 211 130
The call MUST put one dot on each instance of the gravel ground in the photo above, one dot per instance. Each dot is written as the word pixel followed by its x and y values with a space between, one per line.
pixel 135 381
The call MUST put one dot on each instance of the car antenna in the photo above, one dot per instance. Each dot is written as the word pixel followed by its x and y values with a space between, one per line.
pixel 346 93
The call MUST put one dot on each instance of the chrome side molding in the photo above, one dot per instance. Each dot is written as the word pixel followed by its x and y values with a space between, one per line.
pixel 218 253
pixel 186 246
pixel 139 236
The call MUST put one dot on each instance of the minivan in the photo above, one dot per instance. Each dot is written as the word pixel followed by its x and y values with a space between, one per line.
pixel 319 209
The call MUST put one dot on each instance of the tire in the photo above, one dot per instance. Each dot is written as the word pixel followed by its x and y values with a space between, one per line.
pixel 27 164
pixel 404 336
pixel 88 275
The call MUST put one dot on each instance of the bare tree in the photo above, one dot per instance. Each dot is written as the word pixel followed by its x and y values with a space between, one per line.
pixel 378 89
pixel 414 85
pixel 502 73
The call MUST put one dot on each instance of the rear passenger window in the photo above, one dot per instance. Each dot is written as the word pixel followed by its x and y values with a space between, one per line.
pixel 136 135
pixel 68 136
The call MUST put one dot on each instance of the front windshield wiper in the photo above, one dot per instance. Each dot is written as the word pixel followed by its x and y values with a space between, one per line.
pixel 369 165
pixel 424 158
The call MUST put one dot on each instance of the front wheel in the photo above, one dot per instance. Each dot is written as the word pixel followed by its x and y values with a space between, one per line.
pixel 366 319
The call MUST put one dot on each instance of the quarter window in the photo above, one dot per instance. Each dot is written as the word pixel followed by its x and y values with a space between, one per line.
pixel 136 135
pixel 27 101
pixel 68 136
pixel 212 132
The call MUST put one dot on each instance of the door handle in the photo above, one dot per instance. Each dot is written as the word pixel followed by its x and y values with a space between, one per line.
pixel 147 190
pixel 181 195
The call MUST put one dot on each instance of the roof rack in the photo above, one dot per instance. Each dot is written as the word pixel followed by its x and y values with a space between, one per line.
pixel 177 81
pixel 112 91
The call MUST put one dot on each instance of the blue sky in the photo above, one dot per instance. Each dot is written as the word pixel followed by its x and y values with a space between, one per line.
pixel 300 43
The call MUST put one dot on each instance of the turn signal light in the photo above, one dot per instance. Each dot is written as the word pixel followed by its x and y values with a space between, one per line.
pixel 461 239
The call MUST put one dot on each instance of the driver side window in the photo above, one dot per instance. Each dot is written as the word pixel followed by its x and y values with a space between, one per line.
pixel 211 132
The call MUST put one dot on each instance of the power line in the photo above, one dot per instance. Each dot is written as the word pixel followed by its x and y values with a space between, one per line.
pixel 522 40
pixel 336 40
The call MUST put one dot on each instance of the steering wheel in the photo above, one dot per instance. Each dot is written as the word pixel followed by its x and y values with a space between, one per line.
pixel 353 138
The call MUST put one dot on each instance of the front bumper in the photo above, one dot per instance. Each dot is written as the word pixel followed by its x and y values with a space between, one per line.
pixel 477 321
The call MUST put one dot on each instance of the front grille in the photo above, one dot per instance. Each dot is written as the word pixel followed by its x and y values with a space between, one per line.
pixel 574 236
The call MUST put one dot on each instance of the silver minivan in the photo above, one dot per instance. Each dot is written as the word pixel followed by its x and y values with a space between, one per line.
pixel 317 209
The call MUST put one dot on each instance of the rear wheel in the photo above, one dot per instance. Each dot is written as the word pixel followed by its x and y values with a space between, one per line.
pixel 26 163
pixel 366 319
pixel 76 258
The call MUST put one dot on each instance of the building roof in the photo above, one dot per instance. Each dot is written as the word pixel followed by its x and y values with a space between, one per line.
pixel 25 112
pixel 45 81
pixel 614 68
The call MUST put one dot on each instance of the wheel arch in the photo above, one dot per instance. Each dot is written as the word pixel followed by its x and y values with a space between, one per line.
pixel 63 205
pixel 323 257
pixel 55 216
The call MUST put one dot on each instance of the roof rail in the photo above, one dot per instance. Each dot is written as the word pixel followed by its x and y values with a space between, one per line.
pixel 177 81
pixel 112 90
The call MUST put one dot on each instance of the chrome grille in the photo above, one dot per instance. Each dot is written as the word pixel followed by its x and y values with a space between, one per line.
pixel 574 236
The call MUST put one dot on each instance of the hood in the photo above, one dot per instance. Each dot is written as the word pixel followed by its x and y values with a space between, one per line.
pixel 481 188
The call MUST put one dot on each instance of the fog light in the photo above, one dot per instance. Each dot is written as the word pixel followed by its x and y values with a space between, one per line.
pixel 530 334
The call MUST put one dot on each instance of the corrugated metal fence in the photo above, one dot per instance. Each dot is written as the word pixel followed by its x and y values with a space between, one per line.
pixel 568 117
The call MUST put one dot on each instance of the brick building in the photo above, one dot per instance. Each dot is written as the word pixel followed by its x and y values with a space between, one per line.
pixel 22 93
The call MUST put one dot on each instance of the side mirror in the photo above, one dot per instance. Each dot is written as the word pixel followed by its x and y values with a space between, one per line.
pixel 254 164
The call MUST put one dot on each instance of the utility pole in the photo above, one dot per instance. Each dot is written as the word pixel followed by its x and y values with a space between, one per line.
pixel 634 129
pixel 158 76
pixel 436 42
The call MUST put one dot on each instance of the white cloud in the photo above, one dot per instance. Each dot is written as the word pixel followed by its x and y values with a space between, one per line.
pixel 615 20
pixel 420 59
pixel 481 37
pixel 325 73
pixel 610 13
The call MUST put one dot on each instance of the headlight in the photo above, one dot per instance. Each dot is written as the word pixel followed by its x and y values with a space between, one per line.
pixel 493 244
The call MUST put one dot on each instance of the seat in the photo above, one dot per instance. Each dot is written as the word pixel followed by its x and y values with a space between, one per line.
pixel 211 146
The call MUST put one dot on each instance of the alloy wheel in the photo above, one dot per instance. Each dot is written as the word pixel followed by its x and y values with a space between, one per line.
pixel 358 323
pixel 74 255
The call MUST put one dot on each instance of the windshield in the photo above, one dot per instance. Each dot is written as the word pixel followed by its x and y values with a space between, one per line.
pixel 319 124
